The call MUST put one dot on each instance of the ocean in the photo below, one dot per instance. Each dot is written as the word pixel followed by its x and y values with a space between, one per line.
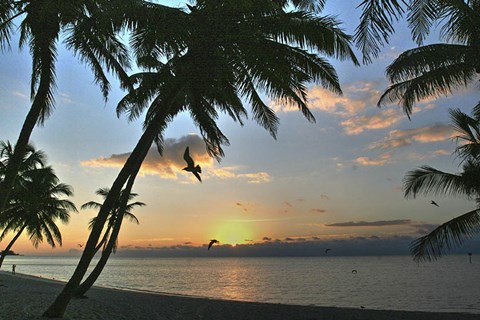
pixel 451 284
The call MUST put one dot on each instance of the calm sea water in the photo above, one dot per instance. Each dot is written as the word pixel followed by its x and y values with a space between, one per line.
pixel 394 282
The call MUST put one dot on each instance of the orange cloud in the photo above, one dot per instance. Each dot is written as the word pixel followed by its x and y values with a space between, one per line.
pixel 357 97
pixel 380 161
pixel 400 138
pixel 380 120
pixel 171 163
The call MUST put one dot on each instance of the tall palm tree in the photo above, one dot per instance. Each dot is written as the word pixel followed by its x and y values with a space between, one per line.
pixel 427 180
pixel 35 207
pixel 217 54
pixel 110 238
pixel 89 29
pixel 437 69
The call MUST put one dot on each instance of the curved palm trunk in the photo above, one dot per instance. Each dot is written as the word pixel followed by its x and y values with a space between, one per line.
pixel 88 283
pixel 10 245
pixel 131 167
pixel 24 137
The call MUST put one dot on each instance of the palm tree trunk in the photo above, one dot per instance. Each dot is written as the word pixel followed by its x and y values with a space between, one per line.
pixel 20 147
pixel 4 253
pixel 131 167
pixel 88 283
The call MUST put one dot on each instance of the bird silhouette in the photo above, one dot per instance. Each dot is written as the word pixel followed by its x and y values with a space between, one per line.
pixel 326 250
pixel 434 203
pixel 212 242
pixel 354 271
pixel 80 245
pixel 191 165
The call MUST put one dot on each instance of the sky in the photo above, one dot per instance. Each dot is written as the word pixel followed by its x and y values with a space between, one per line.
pixel 336 183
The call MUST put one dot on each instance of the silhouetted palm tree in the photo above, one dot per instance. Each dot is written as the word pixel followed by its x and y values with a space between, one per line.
pixel 35 207
pixel 437 69
pixel 114 214
pixel 427 180
pixel 205 63
pixel 110 237
pixel 89 29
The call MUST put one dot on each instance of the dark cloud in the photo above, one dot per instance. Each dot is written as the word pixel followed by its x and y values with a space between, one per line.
pixel 353 246
pixel 380 223
pixel 266 239
pixel 317 210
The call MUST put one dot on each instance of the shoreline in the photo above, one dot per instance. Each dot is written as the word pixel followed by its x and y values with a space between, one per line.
pixel 25 296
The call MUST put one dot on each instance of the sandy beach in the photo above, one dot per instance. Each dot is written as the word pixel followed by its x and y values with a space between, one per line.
pixel 26 297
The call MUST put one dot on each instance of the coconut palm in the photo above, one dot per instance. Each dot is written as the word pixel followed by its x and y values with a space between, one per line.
pixel 110 237
pixel 35 207
pixel 437 69
pixel 114 214
pixel 31 160
pixel 89 29
pixel 220 53
pixel 430 181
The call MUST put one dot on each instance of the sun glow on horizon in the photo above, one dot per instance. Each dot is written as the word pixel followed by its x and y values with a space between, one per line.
pixel 233 233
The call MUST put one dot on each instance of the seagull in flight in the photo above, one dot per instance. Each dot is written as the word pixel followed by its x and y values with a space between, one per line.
pixel 191 165
pixel 434 203
pixel 80 245
pixel 212 242
pixel 326 250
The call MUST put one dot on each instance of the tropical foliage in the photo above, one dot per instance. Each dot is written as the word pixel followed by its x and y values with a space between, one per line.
pixel 36 202
pixel 224 53
pixel 437 69
pixel 113 215
pixel 109 241
pixel 87 27
pixel 430 181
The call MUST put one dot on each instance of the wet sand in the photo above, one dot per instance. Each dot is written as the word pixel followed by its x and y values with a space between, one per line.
pixel 26 297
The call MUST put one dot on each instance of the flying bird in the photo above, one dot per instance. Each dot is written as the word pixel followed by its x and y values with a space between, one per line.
pixel 434 203
pixel 80 245
pixel 212 242
pixel 326 250
pixel 354 271
pixel 191 165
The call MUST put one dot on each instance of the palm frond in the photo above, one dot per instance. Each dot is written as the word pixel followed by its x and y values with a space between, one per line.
pixel 449 235
pixel 376 25
pixel 430 181
pixel 421 16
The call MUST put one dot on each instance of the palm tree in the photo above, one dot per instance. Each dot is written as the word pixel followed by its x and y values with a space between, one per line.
pixel 35 207
pixel 89 29
pixel 437 69
pixel 110 238
pixel 215 55
pixel 427 180
pixel 113 215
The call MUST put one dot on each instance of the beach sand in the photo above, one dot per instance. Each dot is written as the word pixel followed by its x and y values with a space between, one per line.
pixel 26 297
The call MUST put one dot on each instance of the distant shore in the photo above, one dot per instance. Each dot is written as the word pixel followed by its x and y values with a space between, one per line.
pixel 26 297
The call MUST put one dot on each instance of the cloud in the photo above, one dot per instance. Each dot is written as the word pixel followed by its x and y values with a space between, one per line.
pixel 295 246
pixel 442 152
pixel 380 223
pixel 324 197
pixel 400 138
pixel 357 97
pixel 20 95
pixel 381 120
pixel 316 210
pixel 171 163
pixel 266 239
pixel 246 207
pixel 380 161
